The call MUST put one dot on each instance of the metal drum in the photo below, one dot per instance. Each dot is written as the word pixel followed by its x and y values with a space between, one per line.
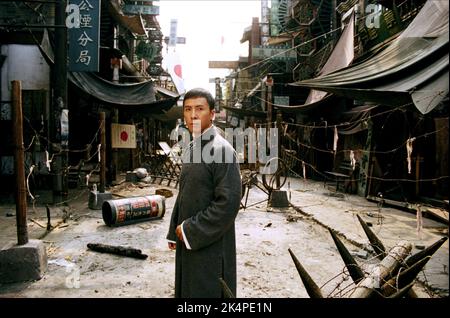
pixel 133 210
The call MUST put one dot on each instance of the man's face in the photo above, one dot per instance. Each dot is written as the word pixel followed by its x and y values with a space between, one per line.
pixel 197 114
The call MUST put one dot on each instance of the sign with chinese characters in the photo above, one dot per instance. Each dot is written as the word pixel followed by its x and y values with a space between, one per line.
pixel 83 23
pixel 173 32
pixel 142 9
pixel 123 136
pixel 274 52
pixel 281 100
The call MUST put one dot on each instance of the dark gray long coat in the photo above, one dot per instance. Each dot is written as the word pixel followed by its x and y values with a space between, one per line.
pixel 208 202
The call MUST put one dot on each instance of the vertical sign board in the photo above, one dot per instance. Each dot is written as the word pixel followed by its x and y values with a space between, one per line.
pixel 173 32
pixel 123 136
pixel 218 95
pixel 83 23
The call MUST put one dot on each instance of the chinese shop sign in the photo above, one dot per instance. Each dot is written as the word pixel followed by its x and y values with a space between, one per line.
pixel 83 23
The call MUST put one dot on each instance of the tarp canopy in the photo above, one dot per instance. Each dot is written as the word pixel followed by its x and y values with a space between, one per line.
pixel 357 119
pixel 412 69
pixel 246 112
pixel 172 114
pixel 131 97
pixel 134 23
pixel 341 56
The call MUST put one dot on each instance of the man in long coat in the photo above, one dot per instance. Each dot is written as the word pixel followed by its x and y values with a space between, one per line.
pixel 202 228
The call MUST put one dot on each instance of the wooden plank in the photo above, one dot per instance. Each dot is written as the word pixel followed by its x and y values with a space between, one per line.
pixel 441 214
pixel 224 64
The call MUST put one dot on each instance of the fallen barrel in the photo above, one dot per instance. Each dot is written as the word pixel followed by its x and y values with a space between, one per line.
pixel 133 210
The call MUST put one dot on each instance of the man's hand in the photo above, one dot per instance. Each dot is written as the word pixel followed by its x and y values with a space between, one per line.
pixel 179 233
pixel 172 246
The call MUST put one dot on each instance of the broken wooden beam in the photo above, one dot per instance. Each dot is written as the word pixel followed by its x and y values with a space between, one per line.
pixel 375 242
pixel 353 268
pixel 311 287
pixel 384 269
pixel 117 250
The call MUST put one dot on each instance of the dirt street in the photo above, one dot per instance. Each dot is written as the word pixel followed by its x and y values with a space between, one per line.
pixel 264 266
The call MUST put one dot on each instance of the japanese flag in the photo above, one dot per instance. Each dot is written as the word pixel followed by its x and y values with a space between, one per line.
pixel 123 136
pixel 174 68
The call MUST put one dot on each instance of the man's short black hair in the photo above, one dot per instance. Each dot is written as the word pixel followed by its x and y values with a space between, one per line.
pixel 200 92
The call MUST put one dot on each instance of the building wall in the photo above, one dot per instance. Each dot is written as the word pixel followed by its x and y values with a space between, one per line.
pixel 24 63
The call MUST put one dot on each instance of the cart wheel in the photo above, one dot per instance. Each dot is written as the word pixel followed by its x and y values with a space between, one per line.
pixel 269 180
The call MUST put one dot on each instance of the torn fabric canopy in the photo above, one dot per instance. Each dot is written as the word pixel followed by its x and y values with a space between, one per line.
pixel 131 97
pixel 412 69
pixel 341 56
pixel 357 119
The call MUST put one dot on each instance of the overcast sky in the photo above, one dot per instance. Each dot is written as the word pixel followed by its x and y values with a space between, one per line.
pixel 213 29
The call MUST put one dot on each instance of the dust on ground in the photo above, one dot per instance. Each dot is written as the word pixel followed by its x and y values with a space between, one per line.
pixel 264 265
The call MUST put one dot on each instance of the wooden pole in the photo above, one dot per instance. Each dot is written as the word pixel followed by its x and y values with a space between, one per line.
pixel 377 276
pixel 118 250
pixel 19 162
pixel 279 130
pixel 263 95
pixel 269 83
pixel 418 160
pixel 59 78
pixel 115 151
pixel 405 277
pixel 102 153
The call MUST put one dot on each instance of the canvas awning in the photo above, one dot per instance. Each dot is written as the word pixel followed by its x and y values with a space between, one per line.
pixel 134 23
pixel 130 97
pixel 412 69
pixel 357 118
pixel 341 56
pixel 172 114
pixel 246 112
